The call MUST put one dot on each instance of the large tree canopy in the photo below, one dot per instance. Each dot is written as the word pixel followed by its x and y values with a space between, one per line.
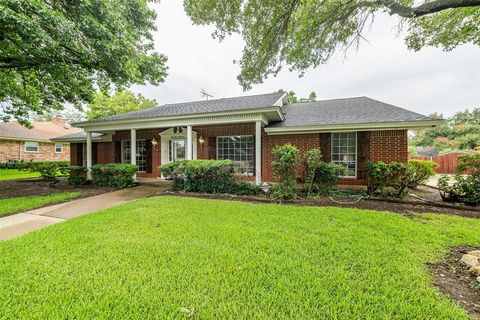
pixel 53 52
pixel 305 33
pixel 120 102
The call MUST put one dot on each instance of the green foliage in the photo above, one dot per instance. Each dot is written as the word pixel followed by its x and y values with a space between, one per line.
pixel 469 163
pixel 56 52
pixel 232 260
pixel 292 97
pixel 396 178
pixel 312 159
pixel 459 132
pixel 327 175
pixel 207 176
pixel 77 176
pixel 284 168
pixel 118 103
pixel 118 175
pixel 15 164
pixel 306 34
pixel 49 170
pixel 463 189
pixel 15 174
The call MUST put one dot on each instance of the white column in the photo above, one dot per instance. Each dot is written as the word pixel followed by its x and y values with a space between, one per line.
pixel 89 155
pixel 189 143
pixel 133 149
pixel 258 152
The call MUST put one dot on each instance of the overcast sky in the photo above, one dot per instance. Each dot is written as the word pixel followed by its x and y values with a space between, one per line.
pixel 427 81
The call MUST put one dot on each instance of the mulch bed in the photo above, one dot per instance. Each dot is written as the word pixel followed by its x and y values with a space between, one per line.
pixel 37 187
pixel 452 278
pixel 367 204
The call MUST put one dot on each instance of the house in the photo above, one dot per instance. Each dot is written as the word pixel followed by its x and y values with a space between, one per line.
pixel 244 129
pixel 20 143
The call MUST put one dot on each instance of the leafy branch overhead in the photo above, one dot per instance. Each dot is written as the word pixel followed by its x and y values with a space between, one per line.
pixel 55 52
pixel 304 34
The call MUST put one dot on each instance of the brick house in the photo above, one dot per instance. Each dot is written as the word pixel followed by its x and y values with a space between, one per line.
pixel 245 129
pixel 20 143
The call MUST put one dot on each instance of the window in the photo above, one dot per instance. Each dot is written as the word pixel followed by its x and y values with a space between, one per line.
pixel 31 146
pixel 239 149
pixel 344 151
pixel 58 148
pixel 141 159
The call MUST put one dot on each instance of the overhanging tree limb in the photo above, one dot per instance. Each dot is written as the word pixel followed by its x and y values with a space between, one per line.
pixel 425 8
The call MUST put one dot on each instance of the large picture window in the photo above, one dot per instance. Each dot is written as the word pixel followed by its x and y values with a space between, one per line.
pixel 239 149
pixel 31 146
pixel 141 158
pixel 344 151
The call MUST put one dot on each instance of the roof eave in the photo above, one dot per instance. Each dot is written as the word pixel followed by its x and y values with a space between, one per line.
pixel 393 125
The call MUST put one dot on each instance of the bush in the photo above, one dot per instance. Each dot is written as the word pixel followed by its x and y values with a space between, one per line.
pixel 77 176
pixel 320 176
pixel 118 175
pixel 206 176
pixel 13 164
pixel 49 170
pixel 284 168
pixel 469 163
pixel 397 178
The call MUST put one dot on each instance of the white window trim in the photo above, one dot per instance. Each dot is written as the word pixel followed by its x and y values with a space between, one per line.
pixel 356 153
pixel 61 147
pixel 238 135
pixel 38 147
pixel 122 151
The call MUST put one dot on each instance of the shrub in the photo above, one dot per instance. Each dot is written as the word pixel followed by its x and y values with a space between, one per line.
pixel 118 175
pixel 207 176
pixel 397 178
pixel 312 159
pixel 49 170
pixel 284 167
pixel 12 164
pixel 77 175
pixel 469 163
pixel 327 175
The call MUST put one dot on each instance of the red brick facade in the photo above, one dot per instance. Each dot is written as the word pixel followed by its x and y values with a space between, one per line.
pixel 386 146
pixel 15 150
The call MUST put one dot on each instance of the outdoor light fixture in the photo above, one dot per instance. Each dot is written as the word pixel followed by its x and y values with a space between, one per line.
pixel 154 143
pixel 201 141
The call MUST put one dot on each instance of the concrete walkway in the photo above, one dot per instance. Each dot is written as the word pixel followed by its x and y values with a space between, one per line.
pixel 21 223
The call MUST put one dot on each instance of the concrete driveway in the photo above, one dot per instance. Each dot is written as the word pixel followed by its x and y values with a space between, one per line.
pixel 21 223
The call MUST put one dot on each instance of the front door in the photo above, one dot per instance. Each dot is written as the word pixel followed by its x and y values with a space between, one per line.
pixel 178 149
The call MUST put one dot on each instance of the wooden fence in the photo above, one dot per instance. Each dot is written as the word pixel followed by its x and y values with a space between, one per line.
pixel 447 163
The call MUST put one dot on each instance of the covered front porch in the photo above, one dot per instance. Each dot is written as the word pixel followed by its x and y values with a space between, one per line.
pixel 152 147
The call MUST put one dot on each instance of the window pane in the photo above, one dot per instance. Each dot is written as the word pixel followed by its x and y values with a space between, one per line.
pixel 239 149
pixel 344 151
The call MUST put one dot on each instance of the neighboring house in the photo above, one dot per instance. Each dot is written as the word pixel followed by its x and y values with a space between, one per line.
pixel 20 143
pixel 245 129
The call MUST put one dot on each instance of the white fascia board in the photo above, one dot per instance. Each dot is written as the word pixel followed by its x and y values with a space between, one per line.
pixel 397 125
pixel 25 139
pixel 105 138
pixel 176 122
pixel 90 124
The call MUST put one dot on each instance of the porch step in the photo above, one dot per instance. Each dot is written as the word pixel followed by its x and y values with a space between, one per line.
pixel 153 182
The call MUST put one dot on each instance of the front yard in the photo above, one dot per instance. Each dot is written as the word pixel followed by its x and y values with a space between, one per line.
pixel 19 204
pixel 177 257
pixel 14 174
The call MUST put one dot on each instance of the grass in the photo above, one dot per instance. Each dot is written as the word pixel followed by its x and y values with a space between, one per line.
pixel 14 174
pixel 19 204
pixel 150 258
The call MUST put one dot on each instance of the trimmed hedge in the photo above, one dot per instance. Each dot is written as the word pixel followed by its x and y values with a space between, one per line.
pixel 77 176
pixel 49 170
pixel 14 164
pixel 118 175
pixel 207 176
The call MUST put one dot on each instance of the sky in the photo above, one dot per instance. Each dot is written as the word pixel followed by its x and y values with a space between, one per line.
pixel 427 81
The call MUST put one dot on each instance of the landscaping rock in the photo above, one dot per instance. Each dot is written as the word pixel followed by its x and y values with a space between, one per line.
pixel 470 260
pixel 475 253
pixel 475 270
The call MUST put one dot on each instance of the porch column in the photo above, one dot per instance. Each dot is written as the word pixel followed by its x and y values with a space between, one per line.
pixel 133 149
pixel 258 152
pixel 89 155
pixel 189 143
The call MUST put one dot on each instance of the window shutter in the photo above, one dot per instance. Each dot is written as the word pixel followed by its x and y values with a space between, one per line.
pixel 212 148
pixel 326 146
pixel 148 156
pixel 79 159
pixel 94 153
pixel 118 151
pixel 363 153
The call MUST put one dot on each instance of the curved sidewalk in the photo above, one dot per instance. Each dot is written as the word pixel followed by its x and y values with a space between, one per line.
pixel 22 223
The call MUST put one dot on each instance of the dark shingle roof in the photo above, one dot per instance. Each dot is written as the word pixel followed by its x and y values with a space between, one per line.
pixel 344 111
pixel 78 135
pixel 204 106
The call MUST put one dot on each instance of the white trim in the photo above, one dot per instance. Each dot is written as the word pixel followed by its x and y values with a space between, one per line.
pixel 25 147
pixel 25 139
pixel 258 152
pixel 61 147
pixel 397 125
pixel 229 136
pixel 356 153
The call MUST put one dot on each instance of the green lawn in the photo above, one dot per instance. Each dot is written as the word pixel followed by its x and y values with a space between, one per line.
pixel 19 204
pixel 13 174
pixel 150 258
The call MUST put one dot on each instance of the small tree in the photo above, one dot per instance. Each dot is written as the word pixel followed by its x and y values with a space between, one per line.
pixel 312 159
pixel 284 167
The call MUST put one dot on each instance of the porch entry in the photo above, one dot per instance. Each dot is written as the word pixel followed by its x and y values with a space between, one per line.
pixel 174 144
pixel 177 150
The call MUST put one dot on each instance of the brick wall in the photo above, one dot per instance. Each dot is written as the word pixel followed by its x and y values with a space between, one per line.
pixel 15 150
pixel 389 145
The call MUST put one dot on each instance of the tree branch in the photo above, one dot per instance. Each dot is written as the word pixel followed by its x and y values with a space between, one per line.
pixel 425 8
